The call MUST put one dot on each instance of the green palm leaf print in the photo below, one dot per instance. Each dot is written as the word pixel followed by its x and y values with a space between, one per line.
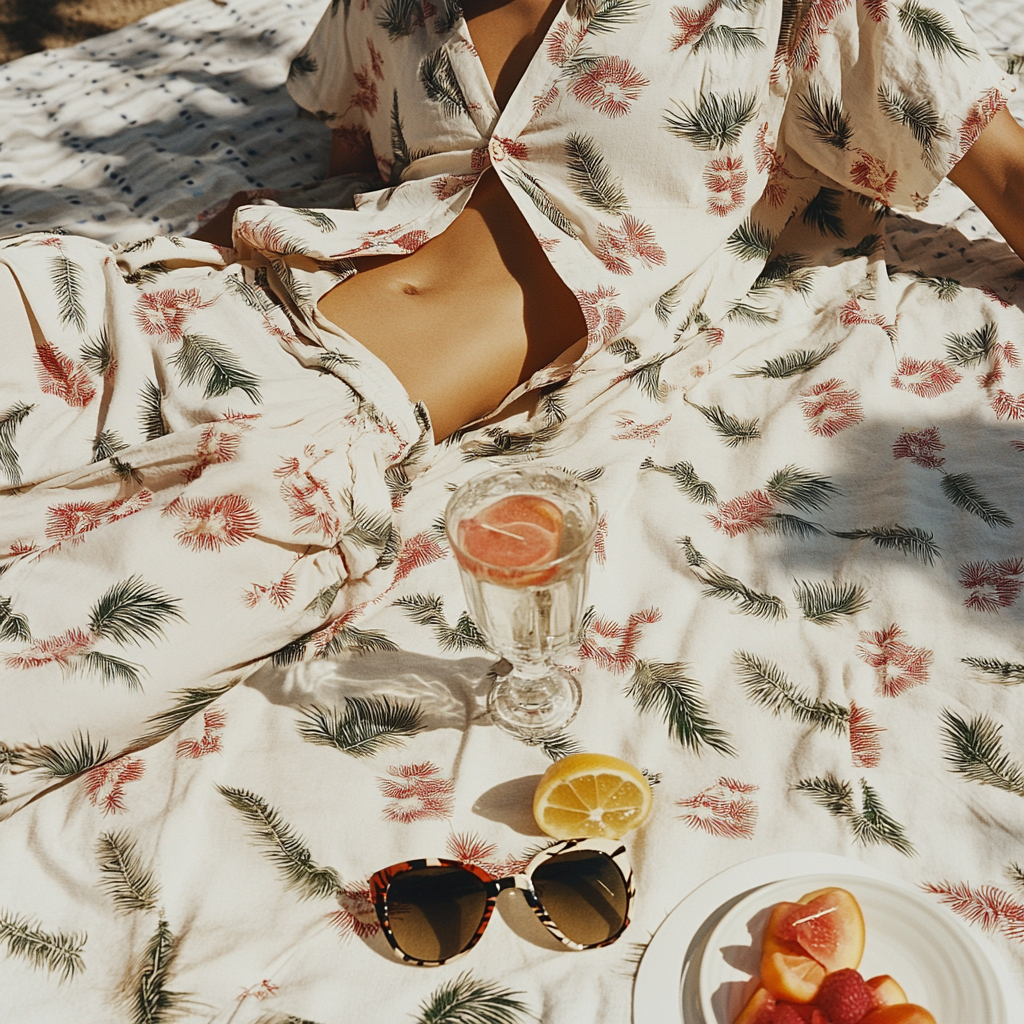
pixel 13 626
pixel 1007 673
pixel 686 480
pixel 791 364
pixel 736 40
pixel 317 218
pixel 151 416
pixel 59 952
pixel 400 17
pixel 201 357
pixel 10 420
pixel 124 878
pixel 825 117
pixel 766 684
pixel 560 745
pixel 365 727
pixel 465 1000
pixel 132 611
pixel 962 490
pixel 666 688
pixel 801 488
pixel 825 602
pixel 109 668
pixel 66 278
pixel 106 444
pixel 611 15
pixel 302 64
pixel 967 350
pixel 734 431
pixel 437 76
pixel 97 353
pixel 822 213
pixel 154 1002
pixel 720 584
pixel 916 114
pixel 590 177
pixel 190 701
pixel 715 123
pixel 428 610
pixel 910 540
pixel 930 30
pixel 974 749
pixel 285 849
pixel 751 241
pixel 533 188
pixel 65 759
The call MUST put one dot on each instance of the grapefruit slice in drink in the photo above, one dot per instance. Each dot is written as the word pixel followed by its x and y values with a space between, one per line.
pixel 503 542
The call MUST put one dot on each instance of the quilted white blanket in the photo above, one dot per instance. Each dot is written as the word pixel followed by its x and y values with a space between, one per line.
pixel 806 625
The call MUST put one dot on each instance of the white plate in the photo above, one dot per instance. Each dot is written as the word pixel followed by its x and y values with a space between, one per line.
pixel 666 986
pixel 934 959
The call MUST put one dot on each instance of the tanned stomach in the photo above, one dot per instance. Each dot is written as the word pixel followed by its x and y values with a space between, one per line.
pixel 472 313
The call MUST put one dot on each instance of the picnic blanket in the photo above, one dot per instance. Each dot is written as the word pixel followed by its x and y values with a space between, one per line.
pixel 805 610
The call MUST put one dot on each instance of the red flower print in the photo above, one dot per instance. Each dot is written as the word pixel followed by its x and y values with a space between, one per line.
pixel 724 809
pixel 214 721
pixel 311 505
pixel 53 649
pixel 802 51
pixel 900 665
pixel 73 518
pixel 417 792
pixel 166 313
pixel 61 376
pixel 208 524
pixel 547 244
pixel 264 990
pixel 1016 445
pixel 692 24
pixel 219 442
pixel 829 408
pixel 926 378
pixel 565 41
pixel 355 914
pixel 351 137
pixel 279 594
pixel 865 749
pixel 748 512
pixel 601 540
pixel 452 184
pixel 104 785
pixel 871 174
pixel 620 657
pixel 878 10
pixel 412 240
pixel 630 430
pixel 995 296
pixel 1007 406
pixel 365 98
pixel 22 547
pixel 541 103
pixel 767 159
pixel 610 86
pixel 726 179
pixel 921 447
pixel 472 848
pixel 511 147
pixel 852 313
pixel 416 552
pixel 376 59
pixel 991 908
pixel 978 119
pixel 603 318
pixel 993 585
pixel 632 240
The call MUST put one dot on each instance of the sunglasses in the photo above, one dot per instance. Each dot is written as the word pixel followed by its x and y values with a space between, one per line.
pixel 432 911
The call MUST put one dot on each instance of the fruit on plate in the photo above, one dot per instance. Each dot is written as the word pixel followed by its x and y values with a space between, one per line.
pixel 593 795
pixel 504 540
pixel 845 997
pixel 901 1013
pixel 887 991
pixel 760 1008
pixel 797 1013
pixel 787 972
pixel 829 926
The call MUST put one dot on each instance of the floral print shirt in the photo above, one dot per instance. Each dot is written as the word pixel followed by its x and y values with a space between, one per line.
pixel 656 150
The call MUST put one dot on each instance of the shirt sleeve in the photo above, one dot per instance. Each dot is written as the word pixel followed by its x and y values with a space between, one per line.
pixel 885 95
pixel 323 78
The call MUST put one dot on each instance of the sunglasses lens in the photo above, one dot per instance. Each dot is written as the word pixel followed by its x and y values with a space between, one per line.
pixel 584 894
pixel 434 912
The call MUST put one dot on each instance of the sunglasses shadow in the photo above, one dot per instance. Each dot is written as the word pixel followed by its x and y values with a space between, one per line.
pixel 449 694
pixel 511 803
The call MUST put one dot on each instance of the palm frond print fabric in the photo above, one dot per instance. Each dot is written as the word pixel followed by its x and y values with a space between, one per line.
pixel 802 415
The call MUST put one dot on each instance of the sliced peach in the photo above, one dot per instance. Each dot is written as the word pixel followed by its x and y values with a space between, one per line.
pixel 902 1013
pixel 759 1008
pixel 829 926
pixel 887 991
pixel 788 973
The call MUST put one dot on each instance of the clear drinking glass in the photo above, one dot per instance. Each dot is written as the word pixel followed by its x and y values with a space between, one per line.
pixel 522 538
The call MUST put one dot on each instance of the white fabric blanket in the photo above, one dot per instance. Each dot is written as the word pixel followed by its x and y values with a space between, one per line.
pixel 802 663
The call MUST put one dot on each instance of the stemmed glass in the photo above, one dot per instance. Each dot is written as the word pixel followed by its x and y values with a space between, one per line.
pixel 522 538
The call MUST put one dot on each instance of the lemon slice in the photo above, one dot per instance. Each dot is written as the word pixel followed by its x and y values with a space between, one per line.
pixel 591 796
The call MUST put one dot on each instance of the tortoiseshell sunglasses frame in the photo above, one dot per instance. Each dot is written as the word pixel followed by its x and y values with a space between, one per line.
pixel 612 848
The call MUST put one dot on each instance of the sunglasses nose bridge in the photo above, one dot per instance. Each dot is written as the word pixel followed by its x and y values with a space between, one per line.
pixel 519 881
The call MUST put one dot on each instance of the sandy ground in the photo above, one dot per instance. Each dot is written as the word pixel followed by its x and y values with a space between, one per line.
pixel 30 25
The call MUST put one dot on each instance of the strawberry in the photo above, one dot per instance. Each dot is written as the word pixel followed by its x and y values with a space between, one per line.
pixel 845 997
pixel 797 1013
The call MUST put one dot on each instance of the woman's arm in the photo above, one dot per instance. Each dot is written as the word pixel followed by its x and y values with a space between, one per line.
pixel 347 157
pixel 992 174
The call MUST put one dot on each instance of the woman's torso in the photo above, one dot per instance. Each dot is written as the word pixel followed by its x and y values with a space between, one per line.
pixel 479 308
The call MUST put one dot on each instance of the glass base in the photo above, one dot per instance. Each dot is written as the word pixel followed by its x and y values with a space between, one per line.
pixel 534 709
